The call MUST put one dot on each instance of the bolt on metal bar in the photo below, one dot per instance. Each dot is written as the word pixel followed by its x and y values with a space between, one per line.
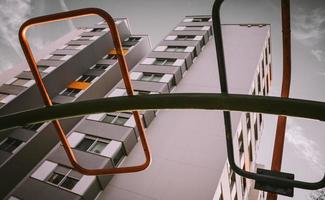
pixel 48 102
pixel 223 83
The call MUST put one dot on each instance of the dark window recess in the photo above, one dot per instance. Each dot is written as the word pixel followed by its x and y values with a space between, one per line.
pixel 42 68
pixel 86 78
pixel 72 46
pixel 85 37
pixel 241 144
pixel 10 144
pixel 33 127
pixel 115 119
pixel 92 145
pixel 232 178
pixel 250 152
pixel 141 92
pixel 258 83
pixel 269 44
pixel 193 28
pixel 253 93
pixel 63 178
pixel 266 57
pixel 263 72
pixel 151 77
pixel 111 56
pixel 255 131
pixel 260 116
pixel 185 37
pixel 200 19
pixel 132 39
pixel 70 92
pixel 98 66
pixel 85 144
pixel 244 185
pixel 118 157
pixel 175 48
pixel 248 121
pixel 264 92
pixel 267 84
pixel 164 61
pixel 97 29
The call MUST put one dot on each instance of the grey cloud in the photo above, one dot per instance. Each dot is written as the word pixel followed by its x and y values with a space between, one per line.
pixel 12 14
pixel 304 146
pixel 319 54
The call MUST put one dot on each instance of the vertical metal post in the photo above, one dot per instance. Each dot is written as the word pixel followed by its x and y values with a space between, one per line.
pixel 286 79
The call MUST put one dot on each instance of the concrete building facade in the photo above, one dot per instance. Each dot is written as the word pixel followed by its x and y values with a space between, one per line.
pixel 188 146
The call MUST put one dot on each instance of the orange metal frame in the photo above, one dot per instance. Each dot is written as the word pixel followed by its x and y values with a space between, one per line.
pixel 48 102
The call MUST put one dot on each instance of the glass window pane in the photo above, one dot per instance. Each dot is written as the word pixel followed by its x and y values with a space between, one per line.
pixel 109 118
pixel 55 178
pixel 146 77
pixel 85 144
pixel 98 147
pixel 120 120
pixel 69 183
pixel 10 144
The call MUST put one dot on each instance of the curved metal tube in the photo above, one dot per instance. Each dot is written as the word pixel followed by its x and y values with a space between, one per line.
pixel 224 90
pixel 233 102
pixel 48 102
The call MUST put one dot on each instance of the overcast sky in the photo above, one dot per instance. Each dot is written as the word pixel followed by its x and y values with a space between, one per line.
pixel 304 139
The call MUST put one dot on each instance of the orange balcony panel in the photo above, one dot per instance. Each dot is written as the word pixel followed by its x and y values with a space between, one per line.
pixel 125 51
pixel 79 85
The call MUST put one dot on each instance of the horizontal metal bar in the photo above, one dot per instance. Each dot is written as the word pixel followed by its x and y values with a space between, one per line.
pixel 209 101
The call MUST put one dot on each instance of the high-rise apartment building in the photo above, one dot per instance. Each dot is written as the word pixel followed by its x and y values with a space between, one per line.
pixel 188 146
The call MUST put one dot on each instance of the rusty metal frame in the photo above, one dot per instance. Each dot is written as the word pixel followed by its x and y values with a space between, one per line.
pixel 274 180
pixel 48 102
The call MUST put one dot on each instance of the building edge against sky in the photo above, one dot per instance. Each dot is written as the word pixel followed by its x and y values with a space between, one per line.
pixel 177 64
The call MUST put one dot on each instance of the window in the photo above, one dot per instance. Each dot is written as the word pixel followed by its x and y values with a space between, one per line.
pixel 269 44
pixel 241 144
pixel 97 29
pixel 255 131
pixel 267 84
pixel 141 92
pixel 175 49
pixel 92 145
pixel 42 68
pixel 132 39
pixel 111 56
pixel 263 72
pixel 264 92
pixel 151 77
pixel 10 144
pixel 266 57
pixel 20 82
pixel 258 82
pixel 86 78
pixel 74 46
pixel 260 116
pixel 56 57
pixel 200 19
pixel 253 93
pixel 63 177
pixel 248 121
pixel 33 127
pixel 185 37
pixel 70 92
pixel 85 38
pixel 243 185
pixel 232 178
pixel 164 61
pixel 250 152
pixel 99 66
pixel 115 119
